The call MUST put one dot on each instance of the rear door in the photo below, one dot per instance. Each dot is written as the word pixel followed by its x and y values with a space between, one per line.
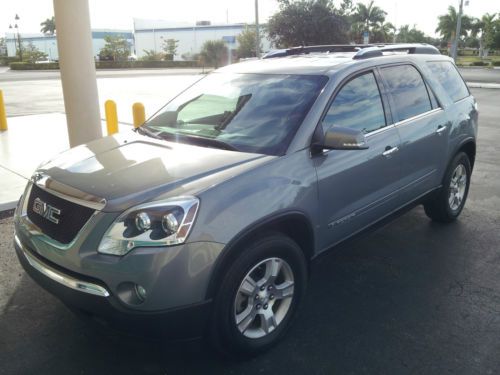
pixel 357 187
pixel 422 126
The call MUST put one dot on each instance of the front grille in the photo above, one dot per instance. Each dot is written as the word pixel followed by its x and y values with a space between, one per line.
pixel 72 217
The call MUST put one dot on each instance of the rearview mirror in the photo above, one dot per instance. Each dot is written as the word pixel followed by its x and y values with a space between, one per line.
pixel 337 138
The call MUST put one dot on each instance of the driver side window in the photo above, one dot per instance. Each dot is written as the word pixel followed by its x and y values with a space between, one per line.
pixel 357 106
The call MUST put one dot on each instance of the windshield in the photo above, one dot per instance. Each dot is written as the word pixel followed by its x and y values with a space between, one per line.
pixel 246 112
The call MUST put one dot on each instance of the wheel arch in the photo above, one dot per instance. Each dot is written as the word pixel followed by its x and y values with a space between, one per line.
pixel 294 224
pixel 469 147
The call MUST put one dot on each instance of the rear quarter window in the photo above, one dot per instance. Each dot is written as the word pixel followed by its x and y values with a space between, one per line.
pixel 408 91
pixel 446 73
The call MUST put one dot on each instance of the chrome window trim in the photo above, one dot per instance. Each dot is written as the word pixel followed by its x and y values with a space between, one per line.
pixel 418 117
pixel 67 192
pixel 59 277
pixel 380 130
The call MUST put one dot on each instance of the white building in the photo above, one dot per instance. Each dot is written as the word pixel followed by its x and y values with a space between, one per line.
pixel 48 43
pixel 151 34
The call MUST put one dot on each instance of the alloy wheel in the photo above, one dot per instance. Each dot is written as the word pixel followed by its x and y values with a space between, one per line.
pixel 264 298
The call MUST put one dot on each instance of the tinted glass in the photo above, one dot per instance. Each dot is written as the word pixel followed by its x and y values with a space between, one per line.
pixel 446 73
pixel 434 101
pixel 407 90
pixel 251 112
pixel 357 106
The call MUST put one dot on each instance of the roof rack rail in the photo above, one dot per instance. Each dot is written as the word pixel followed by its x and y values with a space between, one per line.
pixel 363 51
pixel 410 48
pixel 304 50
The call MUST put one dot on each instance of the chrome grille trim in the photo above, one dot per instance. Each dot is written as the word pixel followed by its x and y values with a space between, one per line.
pixel 67 192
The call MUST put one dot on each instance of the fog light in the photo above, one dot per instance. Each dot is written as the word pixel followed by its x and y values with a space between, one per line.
pixel 141 292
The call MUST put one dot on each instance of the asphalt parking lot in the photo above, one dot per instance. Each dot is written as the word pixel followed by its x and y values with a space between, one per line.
pixel 413 297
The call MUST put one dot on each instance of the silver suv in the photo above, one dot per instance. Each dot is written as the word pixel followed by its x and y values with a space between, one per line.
pixel 204 220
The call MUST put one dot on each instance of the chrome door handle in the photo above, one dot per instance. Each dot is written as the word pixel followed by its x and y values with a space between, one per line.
pixel 440 129
pixel 389 151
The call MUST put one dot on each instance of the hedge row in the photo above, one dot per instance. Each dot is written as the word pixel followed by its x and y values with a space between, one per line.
pixel 6 60
pixel 30 66
pixel 110 65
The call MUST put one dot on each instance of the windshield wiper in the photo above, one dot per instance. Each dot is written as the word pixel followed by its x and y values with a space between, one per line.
pixel 145 131
pixel 200 141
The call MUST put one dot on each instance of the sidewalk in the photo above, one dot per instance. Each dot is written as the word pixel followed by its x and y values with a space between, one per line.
pixel 29 141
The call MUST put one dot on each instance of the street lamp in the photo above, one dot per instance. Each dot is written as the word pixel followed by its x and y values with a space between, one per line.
pixel 17 18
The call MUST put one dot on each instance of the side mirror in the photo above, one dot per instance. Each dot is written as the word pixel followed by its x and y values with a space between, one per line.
pixel 337 138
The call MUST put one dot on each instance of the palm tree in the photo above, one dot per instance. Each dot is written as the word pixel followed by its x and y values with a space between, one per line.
pixel 447 25
pixel 49 26
pixel 369 16
pixel 484 28
pixel 384 33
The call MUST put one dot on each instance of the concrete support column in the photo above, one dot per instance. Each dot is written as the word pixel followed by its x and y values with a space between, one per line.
pixel 76 62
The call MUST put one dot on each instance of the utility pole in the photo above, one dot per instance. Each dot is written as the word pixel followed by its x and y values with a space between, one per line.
pixel 454 46
pixel 257 35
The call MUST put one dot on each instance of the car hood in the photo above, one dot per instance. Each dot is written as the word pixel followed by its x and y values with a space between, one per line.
pixel 128 170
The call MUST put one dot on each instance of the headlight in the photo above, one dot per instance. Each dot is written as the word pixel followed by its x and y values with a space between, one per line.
pixel 161 223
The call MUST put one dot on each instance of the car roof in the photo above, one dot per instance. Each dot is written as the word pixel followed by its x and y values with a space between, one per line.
pixel 326 63
pixel 299 64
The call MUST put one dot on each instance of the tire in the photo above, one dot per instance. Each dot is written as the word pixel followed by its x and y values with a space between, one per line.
pixel 443 207
pixel 252 305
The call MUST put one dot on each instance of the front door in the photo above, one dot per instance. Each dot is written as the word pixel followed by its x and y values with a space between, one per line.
pixel 357 187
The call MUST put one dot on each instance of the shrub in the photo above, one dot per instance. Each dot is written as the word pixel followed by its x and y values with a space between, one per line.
pixel 32 66
pixel 480 63
pixel 496 63
pixel 7 60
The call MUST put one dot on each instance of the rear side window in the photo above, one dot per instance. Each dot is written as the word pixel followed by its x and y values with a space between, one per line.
pixel 446 73
pixel 408 91
pixel 357 106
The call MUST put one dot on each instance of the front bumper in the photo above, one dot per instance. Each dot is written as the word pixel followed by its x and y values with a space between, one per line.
pixel 94 299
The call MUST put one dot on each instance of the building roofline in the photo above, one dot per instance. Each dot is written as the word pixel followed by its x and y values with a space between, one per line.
pixel 194 27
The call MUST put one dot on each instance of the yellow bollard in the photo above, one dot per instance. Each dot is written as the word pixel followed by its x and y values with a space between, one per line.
pixel 3 114
pixel 139 114
pixel 111 117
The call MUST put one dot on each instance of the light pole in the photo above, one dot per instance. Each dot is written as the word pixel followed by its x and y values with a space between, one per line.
pixel 18 36
pixel 257 35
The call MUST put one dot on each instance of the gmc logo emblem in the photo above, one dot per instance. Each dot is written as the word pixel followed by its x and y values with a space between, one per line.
pixel 46 210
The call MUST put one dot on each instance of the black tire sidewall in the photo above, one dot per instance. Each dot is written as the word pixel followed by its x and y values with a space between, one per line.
pixel 224 331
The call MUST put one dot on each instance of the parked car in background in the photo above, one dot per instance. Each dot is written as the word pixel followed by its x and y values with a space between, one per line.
pixel 204 221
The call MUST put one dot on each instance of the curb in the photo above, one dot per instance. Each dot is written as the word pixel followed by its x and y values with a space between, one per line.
pixel 5 213
pixel 483 85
